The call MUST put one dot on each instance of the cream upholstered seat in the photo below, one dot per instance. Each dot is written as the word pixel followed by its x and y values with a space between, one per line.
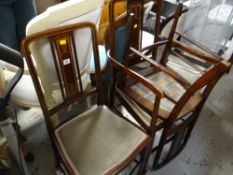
pixel 93 151
pixel 173 90
pixel 79 10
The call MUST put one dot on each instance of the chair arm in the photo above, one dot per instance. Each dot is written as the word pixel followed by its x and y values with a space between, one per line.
pixel 201 46
pixel 159 43
pixel 136 76
pixel 173 74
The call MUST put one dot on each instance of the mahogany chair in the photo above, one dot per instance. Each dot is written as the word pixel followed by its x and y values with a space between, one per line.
pixel 164 102
pixel 96 141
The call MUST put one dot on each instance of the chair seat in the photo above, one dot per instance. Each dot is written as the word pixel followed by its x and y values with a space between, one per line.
pixel 145 97
pixel 96 145
pixel 187 71
pixel 145 117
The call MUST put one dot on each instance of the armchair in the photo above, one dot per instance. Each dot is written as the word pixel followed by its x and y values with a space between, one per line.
pixel 165 101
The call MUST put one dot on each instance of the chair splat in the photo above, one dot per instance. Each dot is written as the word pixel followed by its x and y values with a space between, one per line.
pixel 65 59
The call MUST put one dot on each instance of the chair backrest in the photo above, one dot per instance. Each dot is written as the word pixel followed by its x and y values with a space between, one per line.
pixel 122 35
pixel 118 26
pixel 69 12
pixel 64 65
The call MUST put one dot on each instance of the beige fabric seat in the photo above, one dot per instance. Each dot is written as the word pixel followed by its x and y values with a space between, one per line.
pixel 169 86
pixel 164 82
pixel 96 142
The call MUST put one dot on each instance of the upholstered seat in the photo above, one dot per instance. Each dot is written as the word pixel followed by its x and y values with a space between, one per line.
pixel 145 117
pixel 165 83
pixel 90 150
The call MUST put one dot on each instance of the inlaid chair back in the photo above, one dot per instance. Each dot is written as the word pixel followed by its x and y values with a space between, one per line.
pixel 69 12
pixel 86 134
pixel 67 84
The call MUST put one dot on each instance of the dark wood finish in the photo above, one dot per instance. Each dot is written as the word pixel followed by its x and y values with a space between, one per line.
pixel 133 6
pixel 62 45
pixel 171 34
pixel 137 8
pixel 189 104
pixel 178 123
pixel 66 63
pixel 157 31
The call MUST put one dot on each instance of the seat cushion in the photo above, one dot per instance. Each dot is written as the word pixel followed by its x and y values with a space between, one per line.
pixel 164 82
pixel 187 71
pixel 137 93
pixel 144 116
pixel 97 141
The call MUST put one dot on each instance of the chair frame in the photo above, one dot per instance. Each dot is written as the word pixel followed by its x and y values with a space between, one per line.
pixel 135 6
pixel 76 96
pixel 208 80
pixel 214 75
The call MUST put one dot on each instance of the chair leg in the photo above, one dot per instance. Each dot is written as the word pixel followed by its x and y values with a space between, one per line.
pixel 158 153
pixel 145 158
pixel 192 124
pixel 111 94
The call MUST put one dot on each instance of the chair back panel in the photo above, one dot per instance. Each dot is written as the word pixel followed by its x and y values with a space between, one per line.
pixel 65 61
pixel 120 36
pixel 69 12
pixel 137 8
pixel 118 30
pixel 67 85
pixel 49 19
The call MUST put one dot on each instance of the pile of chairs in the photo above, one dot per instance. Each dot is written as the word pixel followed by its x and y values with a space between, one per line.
pixel 91 135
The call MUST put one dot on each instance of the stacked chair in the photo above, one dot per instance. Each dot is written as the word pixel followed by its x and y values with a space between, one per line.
pixel 88 138
pixel 166 100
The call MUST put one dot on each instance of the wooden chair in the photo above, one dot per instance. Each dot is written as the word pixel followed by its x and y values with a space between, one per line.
pixel 96 141
pixel 116 33
pixel 164 102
